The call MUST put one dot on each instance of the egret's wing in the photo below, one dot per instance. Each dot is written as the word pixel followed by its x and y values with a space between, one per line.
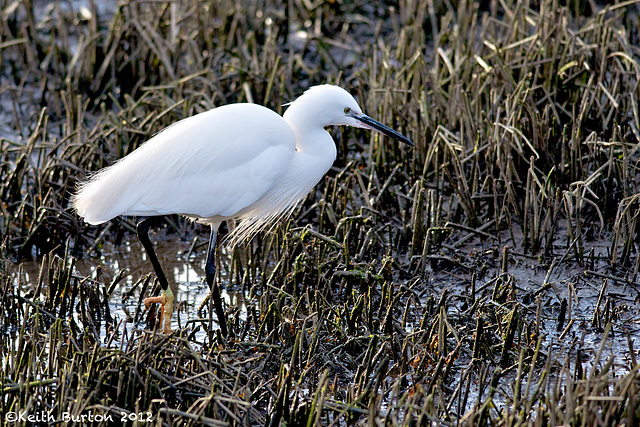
pixel 214 163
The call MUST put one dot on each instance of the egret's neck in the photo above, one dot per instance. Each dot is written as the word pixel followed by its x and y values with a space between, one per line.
pixel 315 149
pixel 311 137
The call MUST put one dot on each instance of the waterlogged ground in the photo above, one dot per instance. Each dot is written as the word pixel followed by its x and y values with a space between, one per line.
pixel 569 301
pixel 511 127
pixel 124 268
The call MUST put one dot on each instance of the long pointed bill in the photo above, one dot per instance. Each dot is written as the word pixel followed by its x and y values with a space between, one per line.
pixel 373 124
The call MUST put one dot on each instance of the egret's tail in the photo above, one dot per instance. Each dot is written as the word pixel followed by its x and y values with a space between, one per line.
pixel 100 198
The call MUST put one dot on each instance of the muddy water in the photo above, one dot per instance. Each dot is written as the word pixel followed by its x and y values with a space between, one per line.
pixel 540 291
pixel 183 266
pixel 590 289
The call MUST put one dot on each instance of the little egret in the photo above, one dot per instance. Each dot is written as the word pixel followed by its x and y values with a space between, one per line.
pixel 236 162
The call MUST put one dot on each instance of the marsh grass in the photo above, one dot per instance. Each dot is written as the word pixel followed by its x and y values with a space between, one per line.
pixel 464 281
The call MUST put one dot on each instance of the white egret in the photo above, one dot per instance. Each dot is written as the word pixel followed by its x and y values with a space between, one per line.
pixel 236 162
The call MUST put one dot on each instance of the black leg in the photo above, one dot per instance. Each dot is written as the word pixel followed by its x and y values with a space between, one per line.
pixel 143 234
pixel 210 269
pixel 167 298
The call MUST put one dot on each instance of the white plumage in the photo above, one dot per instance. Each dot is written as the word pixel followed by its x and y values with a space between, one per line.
pixel 239 161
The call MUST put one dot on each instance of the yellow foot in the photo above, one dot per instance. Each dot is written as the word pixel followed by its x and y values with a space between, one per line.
pixel 166 303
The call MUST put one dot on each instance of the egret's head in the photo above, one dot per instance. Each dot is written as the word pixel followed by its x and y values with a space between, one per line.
pixel 332 105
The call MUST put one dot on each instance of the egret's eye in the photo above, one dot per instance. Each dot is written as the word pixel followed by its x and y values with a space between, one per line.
pixel 347 110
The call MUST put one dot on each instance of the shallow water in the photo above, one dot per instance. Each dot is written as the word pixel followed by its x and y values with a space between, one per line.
pixel 183 269
pixel 566 279
pixel 183 263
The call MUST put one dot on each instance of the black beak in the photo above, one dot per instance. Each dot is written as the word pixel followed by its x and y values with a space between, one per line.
pixel 376 125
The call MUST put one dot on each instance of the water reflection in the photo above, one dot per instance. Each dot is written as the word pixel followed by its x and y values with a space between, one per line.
pixel 183 263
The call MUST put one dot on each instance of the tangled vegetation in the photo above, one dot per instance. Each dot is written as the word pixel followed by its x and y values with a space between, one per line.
pixel 486 276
